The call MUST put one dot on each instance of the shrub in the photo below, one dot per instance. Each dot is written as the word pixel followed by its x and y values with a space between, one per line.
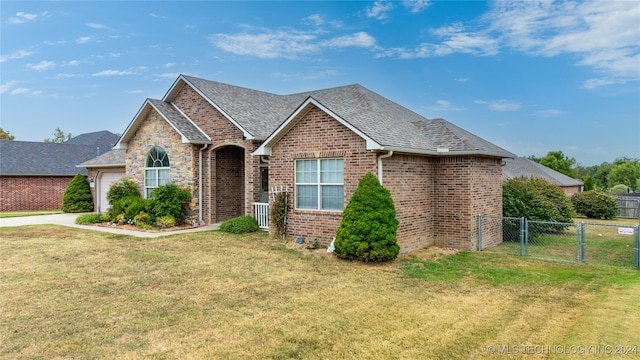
pixel 619 189
pixel 535 199
pixel 88 219
pixel 595 204
pixel 127 208
pixel 240 225
pixel 165 221
pixel 279 210
pixel 122 189
pixel 77 197
pixel 171 200
pixel 368 228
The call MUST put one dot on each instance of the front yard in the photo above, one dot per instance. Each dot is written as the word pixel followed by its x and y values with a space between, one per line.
pixel 70 293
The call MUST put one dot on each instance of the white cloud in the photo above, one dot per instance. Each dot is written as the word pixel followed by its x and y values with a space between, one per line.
pixel 169 75
pixel 500 105
pixel 15 55
pixel 42 65
pixel 23 17
pixel 416 6
pixel 461 79
pixel 64 76
pixel 360 39
pixel 19 91
pixel 96 26
pixel 379 10
pixel 315 19
pixel 112 73
pixel 135 91
pixel 83 39
pixel 309 76
pixel 168 65
pixel 549 113
pixel 594 83
pixel 73 63
pixel 444 106
pixel 6 86
pixel 269 45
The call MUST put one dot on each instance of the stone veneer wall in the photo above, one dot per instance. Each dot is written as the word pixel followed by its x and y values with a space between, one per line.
pixel 20 193
pixel 155 131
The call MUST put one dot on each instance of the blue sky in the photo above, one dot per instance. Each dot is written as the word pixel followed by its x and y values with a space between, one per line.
pixel 531 77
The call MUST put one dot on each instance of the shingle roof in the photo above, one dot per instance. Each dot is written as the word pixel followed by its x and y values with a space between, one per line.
pixel 52 159
pixel 113 158
pixel 98 137
pixel 522 166
pixel 180 122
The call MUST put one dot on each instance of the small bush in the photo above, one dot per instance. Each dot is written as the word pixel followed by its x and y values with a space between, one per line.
pixel 595 204
pixel 89 219
pixel 77 197
pixel 171 200
pixel 122 189
pixel 240 225
pixel 619 189
pixel 368 228
pixel 125 209
pixel 166 221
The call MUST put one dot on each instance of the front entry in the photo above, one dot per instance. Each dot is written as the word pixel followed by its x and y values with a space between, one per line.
pixel 229 177
pixel 264 184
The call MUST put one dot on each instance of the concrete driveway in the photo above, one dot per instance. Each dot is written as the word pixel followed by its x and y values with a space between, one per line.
pixel 70 220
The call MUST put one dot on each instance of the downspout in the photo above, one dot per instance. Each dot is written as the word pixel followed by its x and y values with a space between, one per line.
pixel 200 184
pixel 389 154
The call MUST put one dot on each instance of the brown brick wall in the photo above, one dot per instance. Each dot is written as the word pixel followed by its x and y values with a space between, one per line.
pixel 230 183
pixel 21 193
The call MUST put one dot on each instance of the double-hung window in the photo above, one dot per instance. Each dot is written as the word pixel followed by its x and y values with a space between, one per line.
pixel 156 172
pixel 320 184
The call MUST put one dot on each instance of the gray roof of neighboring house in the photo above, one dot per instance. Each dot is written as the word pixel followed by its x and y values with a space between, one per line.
pixel 259 114
pixel 26 158
pixel 521 166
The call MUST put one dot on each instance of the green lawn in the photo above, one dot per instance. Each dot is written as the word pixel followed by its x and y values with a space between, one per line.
pixel 8 214
pixel 70 293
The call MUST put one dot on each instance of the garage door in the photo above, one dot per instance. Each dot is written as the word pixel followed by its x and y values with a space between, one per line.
pixel 105 181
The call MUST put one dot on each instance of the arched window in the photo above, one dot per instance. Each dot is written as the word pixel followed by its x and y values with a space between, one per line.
pixel 156 172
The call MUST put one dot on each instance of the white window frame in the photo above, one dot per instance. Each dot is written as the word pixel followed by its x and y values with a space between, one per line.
pixel 148 188
pixel 318 183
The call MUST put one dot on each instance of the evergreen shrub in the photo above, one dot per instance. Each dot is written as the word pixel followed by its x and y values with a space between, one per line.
pixel 239 225
pixel 595 204
pixel 121 189
pixel 77 197
pixel 368 228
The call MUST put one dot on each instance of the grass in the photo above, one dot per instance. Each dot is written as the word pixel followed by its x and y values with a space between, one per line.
pixel 8 214
pixel 71 293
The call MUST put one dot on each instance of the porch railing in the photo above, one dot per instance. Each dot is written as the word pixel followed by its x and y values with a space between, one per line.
pixel 261 213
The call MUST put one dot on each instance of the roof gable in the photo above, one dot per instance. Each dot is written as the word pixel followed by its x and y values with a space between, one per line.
pixel 521 166
pixel 187 129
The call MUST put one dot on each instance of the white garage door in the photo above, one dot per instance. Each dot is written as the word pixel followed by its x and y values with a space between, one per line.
pixel 105 181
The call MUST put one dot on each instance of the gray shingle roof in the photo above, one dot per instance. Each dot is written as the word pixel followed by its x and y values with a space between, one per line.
pixel 522 166
pixel 111 158
pixel 390 125
pixel 52 159
pixel 181 123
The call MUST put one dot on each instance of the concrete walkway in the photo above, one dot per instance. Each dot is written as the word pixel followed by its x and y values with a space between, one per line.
pixel 70 220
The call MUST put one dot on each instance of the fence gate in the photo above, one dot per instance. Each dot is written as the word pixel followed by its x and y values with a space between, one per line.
pixel 575 242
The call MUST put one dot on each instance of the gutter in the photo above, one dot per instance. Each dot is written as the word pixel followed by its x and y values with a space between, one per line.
pixel 389 154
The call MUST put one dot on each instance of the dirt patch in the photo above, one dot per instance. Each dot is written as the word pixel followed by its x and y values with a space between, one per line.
pixel 431 253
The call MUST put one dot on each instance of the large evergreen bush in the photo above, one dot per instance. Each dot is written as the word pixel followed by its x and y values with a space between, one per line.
pixel 595 204
pixel 171 200
pixel 121 189
pixel 368 228
pixel 77 197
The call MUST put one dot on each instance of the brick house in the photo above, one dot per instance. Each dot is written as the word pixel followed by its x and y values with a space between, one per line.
pixel 35 175
pixel 521 166
pixel 233 146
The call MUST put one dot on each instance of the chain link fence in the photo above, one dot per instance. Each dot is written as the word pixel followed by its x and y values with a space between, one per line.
pixel 611 244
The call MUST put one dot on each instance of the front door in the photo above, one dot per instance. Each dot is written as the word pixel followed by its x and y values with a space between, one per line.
pixel 264 184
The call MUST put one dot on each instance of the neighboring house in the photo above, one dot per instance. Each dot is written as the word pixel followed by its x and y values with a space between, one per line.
pixel 233 147
pixel 523 167
pixel 35 175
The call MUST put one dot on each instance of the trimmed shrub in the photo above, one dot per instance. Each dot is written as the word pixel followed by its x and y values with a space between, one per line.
pixel 122 189
pixel 126 209
pixel 171 200
pixel 77 197
pixel 535 199
pixel 619 189
pixel 166 221
pixel 89 219
pixel 595 204
pixel 368 228
pixel 240 225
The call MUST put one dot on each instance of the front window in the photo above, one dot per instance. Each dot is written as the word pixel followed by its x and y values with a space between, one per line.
pixel 320 184
pixel 156 172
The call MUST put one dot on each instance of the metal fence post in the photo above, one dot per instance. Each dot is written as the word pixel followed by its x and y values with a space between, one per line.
pixel 479 232
pixel 522 230
pixel 584 244
pixel 637 248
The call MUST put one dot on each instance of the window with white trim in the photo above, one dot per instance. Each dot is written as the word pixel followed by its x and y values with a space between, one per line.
pixel 320 184
pixel 156 173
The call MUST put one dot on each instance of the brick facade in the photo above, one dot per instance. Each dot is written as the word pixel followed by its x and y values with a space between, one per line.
pixel 45 192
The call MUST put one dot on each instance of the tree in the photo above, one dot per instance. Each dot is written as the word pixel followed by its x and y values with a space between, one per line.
pixel 601 176
pixel 77 198
pixel 368 228
pixel 557 161
pixel 5 135
pixel 625 172
pixel 59 137
pixel 595 204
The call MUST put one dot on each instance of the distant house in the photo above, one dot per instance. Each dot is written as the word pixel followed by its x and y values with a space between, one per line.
pixel 233 147
pixel 521 166
pixel 35 175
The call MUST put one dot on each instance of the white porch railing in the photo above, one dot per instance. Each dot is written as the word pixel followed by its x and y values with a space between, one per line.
pixel 261 213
